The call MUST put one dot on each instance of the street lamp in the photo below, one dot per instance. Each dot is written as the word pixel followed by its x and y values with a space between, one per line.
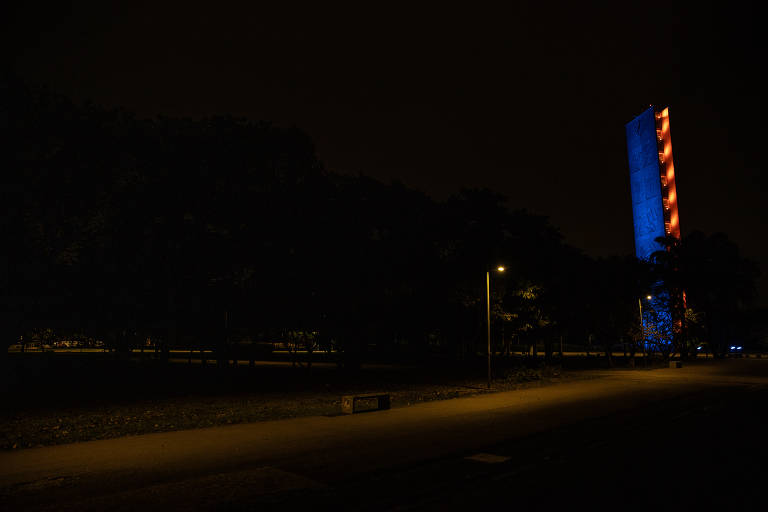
pixel 488 315
pixel 642 328
pixel 642 324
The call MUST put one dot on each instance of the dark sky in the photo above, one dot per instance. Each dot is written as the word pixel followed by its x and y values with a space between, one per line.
pixel 529 100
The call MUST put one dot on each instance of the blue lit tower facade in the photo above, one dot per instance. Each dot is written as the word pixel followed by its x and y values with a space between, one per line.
pixel 654 193
pixel 652 179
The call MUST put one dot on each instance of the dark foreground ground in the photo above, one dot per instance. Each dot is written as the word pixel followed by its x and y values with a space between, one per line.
pixel 63 398
pixel 684 439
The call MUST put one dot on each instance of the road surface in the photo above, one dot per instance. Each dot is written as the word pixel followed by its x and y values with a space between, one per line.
pixel 671 439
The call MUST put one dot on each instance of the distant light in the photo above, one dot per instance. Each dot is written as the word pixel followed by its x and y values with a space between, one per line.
pixel 733 348
pixel 738 348
pixel 649 297
pixel 501 269
pixel 698 348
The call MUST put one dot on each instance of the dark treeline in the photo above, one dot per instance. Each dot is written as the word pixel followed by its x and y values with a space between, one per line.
pixel 120 229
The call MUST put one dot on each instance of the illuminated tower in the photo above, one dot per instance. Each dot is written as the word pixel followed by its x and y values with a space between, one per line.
pixel 654 208
pixel 652 179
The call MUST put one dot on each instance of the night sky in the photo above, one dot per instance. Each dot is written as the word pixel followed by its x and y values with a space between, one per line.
pixel 529 100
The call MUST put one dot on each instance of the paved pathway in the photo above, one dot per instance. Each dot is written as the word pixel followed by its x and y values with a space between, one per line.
pixel 310 453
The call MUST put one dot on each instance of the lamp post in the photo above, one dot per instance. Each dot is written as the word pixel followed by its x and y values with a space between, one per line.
pixel 642 328
pixel 642 324
pixel 488 315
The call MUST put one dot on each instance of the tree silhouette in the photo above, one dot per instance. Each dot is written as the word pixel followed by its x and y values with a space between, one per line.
pixel 127 229
pixel 708 276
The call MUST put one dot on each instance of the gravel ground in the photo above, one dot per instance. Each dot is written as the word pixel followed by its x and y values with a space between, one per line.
pixel 59 425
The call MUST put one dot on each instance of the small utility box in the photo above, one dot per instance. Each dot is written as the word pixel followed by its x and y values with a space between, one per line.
pixel 351 404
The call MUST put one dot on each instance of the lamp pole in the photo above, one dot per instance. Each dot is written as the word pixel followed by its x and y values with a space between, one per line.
pixel 488 316
pixel 488 319
pixel 642 325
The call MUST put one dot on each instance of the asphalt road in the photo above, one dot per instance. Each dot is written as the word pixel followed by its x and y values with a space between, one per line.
pixel 690 438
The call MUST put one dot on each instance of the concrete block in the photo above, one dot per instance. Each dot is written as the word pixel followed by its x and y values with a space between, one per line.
pixel 349 403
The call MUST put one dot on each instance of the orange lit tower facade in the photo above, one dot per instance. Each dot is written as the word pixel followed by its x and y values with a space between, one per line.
pixel 667 174
pixel 652 180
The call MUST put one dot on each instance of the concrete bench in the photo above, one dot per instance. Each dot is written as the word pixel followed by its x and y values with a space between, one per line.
pixel 349 403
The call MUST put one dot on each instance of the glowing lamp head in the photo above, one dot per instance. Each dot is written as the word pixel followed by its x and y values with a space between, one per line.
pixel 648 297
pixel 500 268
